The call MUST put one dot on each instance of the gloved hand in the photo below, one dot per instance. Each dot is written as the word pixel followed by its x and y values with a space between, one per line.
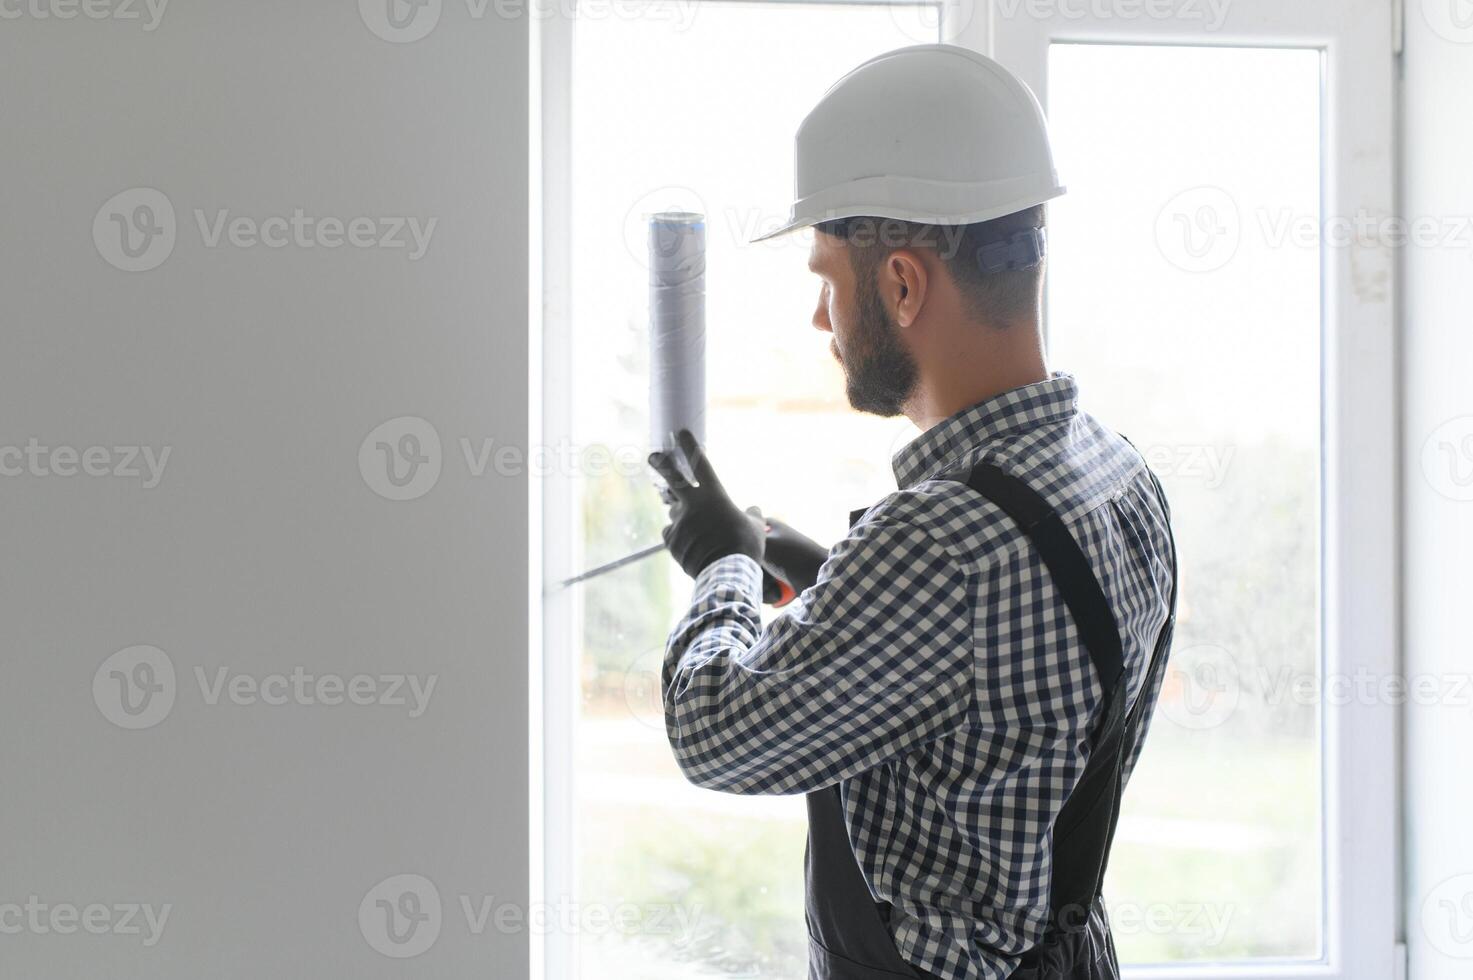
pixel 704 524
pixel 789 556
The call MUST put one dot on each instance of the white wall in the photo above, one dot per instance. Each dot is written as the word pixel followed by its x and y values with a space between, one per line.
pixel 1438 385
pixel 262 548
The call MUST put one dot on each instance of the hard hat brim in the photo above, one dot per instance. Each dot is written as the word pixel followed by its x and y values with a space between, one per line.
pixel 879 197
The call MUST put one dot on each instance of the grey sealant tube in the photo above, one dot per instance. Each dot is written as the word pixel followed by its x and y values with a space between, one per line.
pixel 677 256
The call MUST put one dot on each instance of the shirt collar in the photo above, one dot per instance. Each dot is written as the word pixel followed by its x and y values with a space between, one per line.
pixel 954 440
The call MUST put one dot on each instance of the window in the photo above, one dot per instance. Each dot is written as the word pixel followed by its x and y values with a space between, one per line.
pixel 1198 290
pixel 694 113
pixel 1198 335
pixel 1223 164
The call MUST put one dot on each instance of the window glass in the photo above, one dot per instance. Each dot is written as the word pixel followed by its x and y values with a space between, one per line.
pixel 1184 292
pixel 694 106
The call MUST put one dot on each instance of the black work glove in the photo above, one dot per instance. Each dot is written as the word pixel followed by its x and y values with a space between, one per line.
pixel 791 558
pixel 704 524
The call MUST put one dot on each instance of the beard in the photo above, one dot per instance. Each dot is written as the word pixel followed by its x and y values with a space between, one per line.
pixel 879 373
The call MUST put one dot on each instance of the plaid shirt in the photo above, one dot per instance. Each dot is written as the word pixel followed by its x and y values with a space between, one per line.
pixel 935 673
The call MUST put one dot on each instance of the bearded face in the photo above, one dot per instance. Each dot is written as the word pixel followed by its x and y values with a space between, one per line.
pixel 879 373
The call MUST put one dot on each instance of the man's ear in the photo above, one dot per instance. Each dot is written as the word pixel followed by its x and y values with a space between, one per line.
pixel 903 283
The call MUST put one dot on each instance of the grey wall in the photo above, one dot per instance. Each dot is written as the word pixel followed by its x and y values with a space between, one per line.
pixel 263 547
pixel 1438 487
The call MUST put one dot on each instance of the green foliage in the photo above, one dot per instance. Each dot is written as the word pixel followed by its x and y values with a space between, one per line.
pixel 740 881
pixel 1249 552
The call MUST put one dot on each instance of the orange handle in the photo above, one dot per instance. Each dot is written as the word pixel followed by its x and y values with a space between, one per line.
pixel 786 593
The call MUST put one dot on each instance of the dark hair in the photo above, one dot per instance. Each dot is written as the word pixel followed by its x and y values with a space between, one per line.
pixel 989 295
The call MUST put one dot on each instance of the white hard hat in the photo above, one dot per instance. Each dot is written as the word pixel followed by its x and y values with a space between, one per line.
pixel 932 133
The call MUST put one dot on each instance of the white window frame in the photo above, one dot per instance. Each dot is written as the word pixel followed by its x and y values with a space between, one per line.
pixel 1360 550
pixel 1360 528
pixel 555 608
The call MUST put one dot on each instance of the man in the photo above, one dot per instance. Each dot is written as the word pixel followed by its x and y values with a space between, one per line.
pixel 963 685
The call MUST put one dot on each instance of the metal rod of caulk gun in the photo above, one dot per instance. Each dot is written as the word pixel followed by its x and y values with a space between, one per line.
pixel 617 563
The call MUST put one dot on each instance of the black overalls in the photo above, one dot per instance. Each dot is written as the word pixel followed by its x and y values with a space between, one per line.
pixel 849 936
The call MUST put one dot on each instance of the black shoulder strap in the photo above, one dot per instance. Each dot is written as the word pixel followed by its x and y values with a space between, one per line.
pixel 1067 565
pixel 1085 826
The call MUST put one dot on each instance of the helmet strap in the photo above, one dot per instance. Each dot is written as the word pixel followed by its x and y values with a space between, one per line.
pixel 1020 250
